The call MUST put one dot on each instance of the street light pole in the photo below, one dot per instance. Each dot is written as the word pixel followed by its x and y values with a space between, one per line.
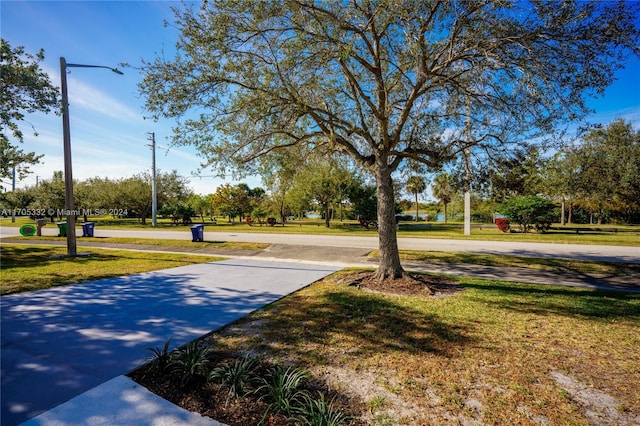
pixel 66 135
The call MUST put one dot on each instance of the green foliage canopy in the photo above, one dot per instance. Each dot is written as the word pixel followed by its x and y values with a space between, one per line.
pixel 383 81
pixel 528 212
pixel 25 89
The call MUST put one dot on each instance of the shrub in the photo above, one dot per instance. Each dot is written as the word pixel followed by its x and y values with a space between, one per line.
pixel 239 377
pixel 528 212
pixel 178 212
pixel 259 214
pixel 319 412
pixel 283 388
pixel 161 357
pixel 503 225
pixel 191 362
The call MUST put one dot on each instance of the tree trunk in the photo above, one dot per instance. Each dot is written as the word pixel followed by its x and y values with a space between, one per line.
pixel 445 212
pixel 326 215
pixel 570 218
pixel 389 266
pixel 282 214
pixel 416 206
pixel 562 211
pixel 600 214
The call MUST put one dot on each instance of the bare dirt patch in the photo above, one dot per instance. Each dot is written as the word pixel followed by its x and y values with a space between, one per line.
pixel 600 407
pixel 409 285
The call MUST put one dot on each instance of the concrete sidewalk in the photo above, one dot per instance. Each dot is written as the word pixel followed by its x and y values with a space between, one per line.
pixel 359 257
pixel 59 343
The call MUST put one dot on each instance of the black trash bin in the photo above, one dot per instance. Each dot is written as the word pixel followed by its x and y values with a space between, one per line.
pixel 197 233
pixel 87 229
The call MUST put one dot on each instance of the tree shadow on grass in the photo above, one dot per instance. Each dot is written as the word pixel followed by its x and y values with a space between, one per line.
pixel 566 301
pixel 59 342
pixel 19 256
pixel 36 268
pixel 357 322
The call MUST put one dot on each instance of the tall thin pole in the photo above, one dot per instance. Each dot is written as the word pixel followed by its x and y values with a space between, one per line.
pixel 68 178
pixel 154 194
pixel 13 189
pixel 467 193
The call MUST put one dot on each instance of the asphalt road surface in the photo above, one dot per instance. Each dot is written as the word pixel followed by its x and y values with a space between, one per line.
pixel 567 251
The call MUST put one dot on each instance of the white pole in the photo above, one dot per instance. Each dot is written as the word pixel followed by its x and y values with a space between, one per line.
pixel 467 194
pixel 154 194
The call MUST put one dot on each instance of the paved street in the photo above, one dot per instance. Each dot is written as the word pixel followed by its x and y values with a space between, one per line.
pixel 569 251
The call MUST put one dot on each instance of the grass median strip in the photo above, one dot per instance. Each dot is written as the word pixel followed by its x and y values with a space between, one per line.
pixel 547 264
pixel 222 245
pixel 36 267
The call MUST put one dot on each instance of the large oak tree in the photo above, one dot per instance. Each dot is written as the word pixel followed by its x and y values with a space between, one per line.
pixel 385 82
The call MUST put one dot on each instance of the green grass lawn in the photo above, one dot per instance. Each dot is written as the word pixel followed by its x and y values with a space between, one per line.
pixel 626 235
pixel 31 267
pixel 539 263
pixel 221 245
pixel 495 353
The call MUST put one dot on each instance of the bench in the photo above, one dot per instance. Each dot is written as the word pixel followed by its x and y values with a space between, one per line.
pixel 367 224
pixel 578 230
pixel 475 226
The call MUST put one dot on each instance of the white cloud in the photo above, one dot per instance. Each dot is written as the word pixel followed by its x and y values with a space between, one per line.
pixel 93 99
pixel 631 115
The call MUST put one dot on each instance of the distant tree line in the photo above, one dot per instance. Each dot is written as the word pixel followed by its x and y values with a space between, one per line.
pixel 594 180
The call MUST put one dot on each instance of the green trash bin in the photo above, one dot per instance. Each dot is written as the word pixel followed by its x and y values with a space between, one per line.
pixel 62 229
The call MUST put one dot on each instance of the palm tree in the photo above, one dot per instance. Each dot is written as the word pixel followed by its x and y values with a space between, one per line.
pixel 416 185
pixel 443 190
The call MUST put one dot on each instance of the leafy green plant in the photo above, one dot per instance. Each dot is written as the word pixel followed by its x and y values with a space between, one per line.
pixel 191 362
pixel 283 388
pixel 528 212
pixel 238 377
pixel 319 412
pixel 161 357
pixel 376 403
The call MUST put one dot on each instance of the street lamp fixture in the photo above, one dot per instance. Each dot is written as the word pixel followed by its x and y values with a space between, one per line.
pixel 68 176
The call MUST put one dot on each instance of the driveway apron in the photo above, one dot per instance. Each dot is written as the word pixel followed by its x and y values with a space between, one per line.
pixel 58 343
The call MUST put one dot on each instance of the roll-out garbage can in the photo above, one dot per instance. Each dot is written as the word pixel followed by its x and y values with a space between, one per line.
pixel 87 229
pixel 197 233
pixel 62 229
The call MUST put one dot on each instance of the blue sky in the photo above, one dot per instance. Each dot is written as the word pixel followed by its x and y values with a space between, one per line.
pixel 108 132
